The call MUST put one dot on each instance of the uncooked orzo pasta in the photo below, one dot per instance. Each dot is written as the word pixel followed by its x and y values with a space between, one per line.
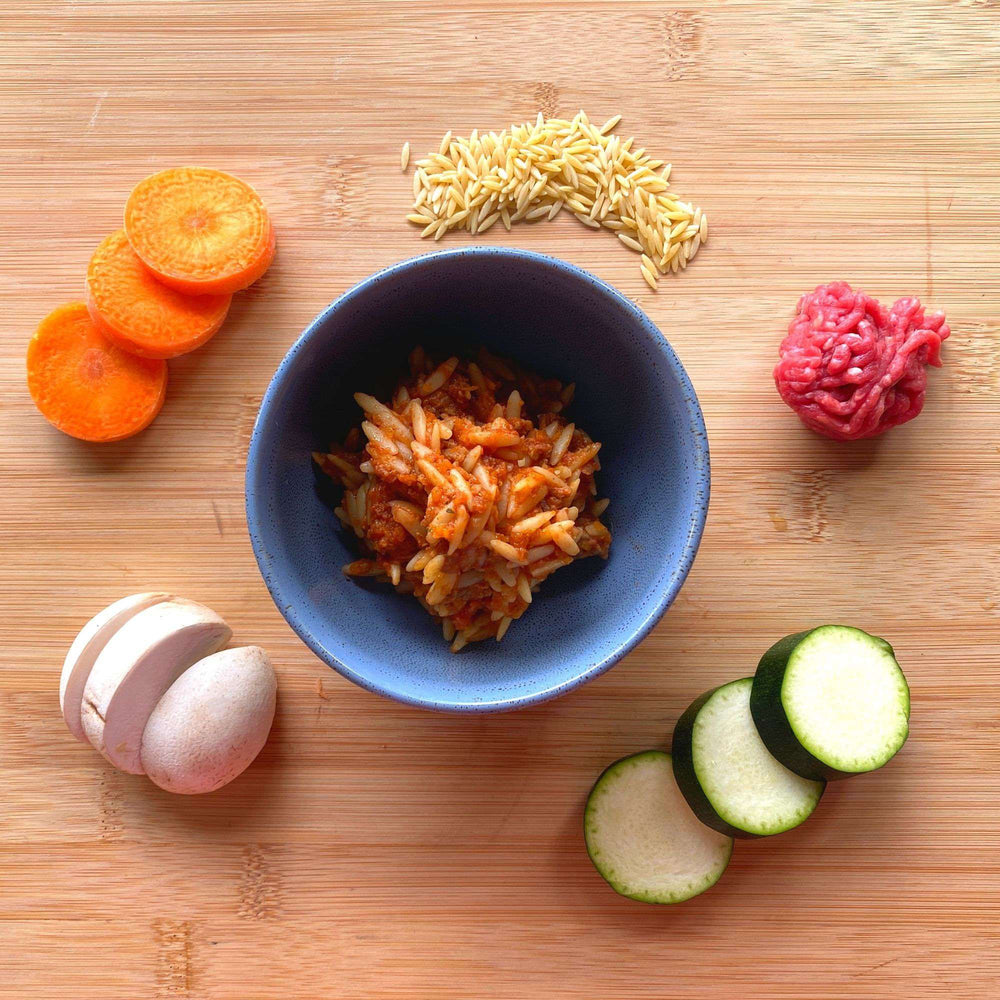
pixel 467 489
pixel 533 171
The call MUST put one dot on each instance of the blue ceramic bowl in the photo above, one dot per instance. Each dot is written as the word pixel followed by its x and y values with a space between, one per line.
pixel 632 394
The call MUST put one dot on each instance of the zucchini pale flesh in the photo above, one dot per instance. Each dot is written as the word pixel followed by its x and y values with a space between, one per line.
pixel 831 702
pixel 643 838
pixel 730 780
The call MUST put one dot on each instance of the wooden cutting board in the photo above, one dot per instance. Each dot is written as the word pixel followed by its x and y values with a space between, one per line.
pixel 379 851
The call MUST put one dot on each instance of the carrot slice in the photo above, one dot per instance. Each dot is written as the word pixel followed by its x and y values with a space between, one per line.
pixel 87 386
pixel 142 315
pixel 199 230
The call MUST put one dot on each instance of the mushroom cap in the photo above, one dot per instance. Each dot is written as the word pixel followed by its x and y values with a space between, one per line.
pixel 212 722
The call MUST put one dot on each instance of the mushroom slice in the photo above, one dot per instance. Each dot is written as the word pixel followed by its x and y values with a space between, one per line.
pixel 82 655
pixel 212 722
pixel 141 660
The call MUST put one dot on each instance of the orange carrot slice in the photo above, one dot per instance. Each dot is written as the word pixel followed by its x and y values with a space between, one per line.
pixel 87 386
pixel 200 231
pixel 141 315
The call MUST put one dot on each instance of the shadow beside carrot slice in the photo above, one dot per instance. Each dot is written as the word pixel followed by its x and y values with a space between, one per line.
pixel 87 386
pixel 156 289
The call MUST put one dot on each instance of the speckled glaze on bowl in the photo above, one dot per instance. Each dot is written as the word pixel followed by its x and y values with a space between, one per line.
pixel 632 394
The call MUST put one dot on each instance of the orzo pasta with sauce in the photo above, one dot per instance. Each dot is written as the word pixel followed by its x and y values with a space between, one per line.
pixel 468 488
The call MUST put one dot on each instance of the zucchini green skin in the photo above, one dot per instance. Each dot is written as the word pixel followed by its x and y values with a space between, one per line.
pixel 769 713
pixel 682 753
pixel 771 720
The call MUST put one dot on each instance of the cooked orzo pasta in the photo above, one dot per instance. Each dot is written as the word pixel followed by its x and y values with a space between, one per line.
pixel 467 489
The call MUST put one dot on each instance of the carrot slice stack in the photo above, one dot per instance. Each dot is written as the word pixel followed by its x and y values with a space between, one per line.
pixel 87 386
pixel 139 313
pixel 201 231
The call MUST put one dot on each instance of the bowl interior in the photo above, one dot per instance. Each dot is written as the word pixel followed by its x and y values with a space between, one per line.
pixel 632 395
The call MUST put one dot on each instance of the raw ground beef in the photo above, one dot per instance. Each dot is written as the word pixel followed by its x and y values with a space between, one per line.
pixel 850 368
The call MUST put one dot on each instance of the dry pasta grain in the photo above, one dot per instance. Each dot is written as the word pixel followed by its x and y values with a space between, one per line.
pixel 530 171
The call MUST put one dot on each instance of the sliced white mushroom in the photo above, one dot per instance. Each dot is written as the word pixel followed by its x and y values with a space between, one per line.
pixel 212 722
pixel 140 661
pixel 82 655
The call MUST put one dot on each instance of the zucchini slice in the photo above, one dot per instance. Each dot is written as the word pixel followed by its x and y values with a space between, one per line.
pixel 831 702
pixel 643 838
pixel 726 773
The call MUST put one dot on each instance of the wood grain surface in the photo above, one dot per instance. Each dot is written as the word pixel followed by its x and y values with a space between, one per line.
pixel 375 850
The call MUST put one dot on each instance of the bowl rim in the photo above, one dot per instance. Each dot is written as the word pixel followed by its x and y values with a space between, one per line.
pixel 255 463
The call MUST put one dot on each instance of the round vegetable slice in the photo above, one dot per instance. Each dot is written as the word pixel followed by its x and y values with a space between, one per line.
pixel 726 773
pixel 201 231
pixel 139 313
pixel 134 670
pixel 86 647
pixel 643 837
pixel 212 722
pixel 831 702
pixel 87 386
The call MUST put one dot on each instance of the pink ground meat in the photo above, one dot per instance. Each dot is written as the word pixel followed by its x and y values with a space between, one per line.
pixel 852 369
